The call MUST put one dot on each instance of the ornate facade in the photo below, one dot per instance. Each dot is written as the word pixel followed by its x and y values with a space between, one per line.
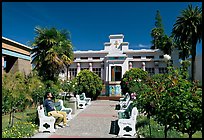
pixel 111 63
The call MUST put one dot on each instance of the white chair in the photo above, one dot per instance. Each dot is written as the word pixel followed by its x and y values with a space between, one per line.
pixel 127 126
pixel 88 100
pixel 46 122
pixel 67 110
pixel 80 103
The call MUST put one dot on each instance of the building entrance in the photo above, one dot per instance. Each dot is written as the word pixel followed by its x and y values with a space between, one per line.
pixel 116 73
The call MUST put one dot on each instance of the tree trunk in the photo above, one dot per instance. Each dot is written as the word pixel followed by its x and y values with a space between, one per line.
pixel 190 135
pixel 10 118
pixel 165 131
pixel 148 116
pixel 193 63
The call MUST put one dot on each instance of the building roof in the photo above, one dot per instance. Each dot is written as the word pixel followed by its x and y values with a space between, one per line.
pixel 142 50
pixel 90 51
pixel 4 38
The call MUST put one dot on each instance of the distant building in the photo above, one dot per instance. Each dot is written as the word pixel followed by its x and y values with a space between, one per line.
pixel 198 67
pixel 15 57
pixel 111 63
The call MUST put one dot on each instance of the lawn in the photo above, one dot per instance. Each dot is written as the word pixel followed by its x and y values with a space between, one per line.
pixel 20 115
pixel 157 131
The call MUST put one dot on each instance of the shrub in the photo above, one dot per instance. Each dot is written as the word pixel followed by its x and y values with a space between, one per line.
pixel 157 130
pixel 36 87
pixel 180 105
pixel 89 83
pixel 133 80
pixel 15 92
pixel 68 86
pixel 53 87
pixel 20 130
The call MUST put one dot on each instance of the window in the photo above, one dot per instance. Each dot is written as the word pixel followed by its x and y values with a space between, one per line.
pixel 136 57
pixel 84 69
pixel 116 73
pixel 97 71
pixel 149 57
pixel 150 70
pixel 72 72
pixel 96 58
pixel 84 58
pixel 162 70
pixel 161 56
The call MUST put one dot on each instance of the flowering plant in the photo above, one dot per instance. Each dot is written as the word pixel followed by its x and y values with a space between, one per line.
pixel 133 96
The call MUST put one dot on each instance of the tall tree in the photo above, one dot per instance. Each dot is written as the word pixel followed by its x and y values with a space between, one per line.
pixel 52 51
pixel 187 32
pixel 157 32
pixel 160 40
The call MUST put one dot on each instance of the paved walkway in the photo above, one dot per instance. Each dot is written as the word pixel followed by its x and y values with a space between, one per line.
pixel 92 122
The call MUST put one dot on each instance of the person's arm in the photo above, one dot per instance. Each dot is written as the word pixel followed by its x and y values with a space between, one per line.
pixel 45 103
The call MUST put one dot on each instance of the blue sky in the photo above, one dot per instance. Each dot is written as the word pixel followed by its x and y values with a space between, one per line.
pixel 91 23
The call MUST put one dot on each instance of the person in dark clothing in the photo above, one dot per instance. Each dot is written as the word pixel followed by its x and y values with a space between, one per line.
pixel 50 108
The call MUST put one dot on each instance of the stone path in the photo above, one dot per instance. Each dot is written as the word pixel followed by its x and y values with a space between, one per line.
pixel 92 122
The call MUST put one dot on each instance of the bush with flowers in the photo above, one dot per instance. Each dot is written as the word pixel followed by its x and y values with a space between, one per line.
pixel 89 83
pixel 20 130
pixel 133 80
pixel 171 99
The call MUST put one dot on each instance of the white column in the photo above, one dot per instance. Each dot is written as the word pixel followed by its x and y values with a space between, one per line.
pixel 143 66
pixel 156 68
pixel 2 65
pixel 68 74
pixel 107 73
pixel 102 67
pixel 130 65
pixel 90 66
pixel 78 68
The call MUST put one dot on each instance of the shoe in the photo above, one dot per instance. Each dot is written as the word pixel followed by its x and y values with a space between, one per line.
pixel 56 127
pixel 66 125
pixel 61 126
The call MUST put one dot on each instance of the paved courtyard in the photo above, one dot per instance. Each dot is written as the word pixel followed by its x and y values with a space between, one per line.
pixel 92 122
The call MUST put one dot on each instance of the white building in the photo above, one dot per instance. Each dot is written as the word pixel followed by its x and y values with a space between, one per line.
pixel 198 67
pixel 112 62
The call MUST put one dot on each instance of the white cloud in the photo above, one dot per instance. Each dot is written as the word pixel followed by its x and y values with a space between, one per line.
pixel 141 46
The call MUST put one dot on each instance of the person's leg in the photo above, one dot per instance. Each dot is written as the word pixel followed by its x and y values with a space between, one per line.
pixel 59 117
pixel 64 117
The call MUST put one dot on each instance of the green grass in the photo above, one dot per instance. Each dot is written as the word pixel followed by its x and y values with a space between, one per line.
pixel 21 115
pixel 157 131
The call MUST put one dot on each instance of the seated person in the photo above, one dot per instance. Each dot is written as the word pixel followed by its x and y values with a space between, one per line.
pixel 59 115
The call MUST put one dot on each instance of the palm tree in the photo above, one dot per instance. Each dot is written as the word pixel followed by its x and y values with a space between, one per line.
pixel 52 51
pixel 187 30
pixel 185 47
